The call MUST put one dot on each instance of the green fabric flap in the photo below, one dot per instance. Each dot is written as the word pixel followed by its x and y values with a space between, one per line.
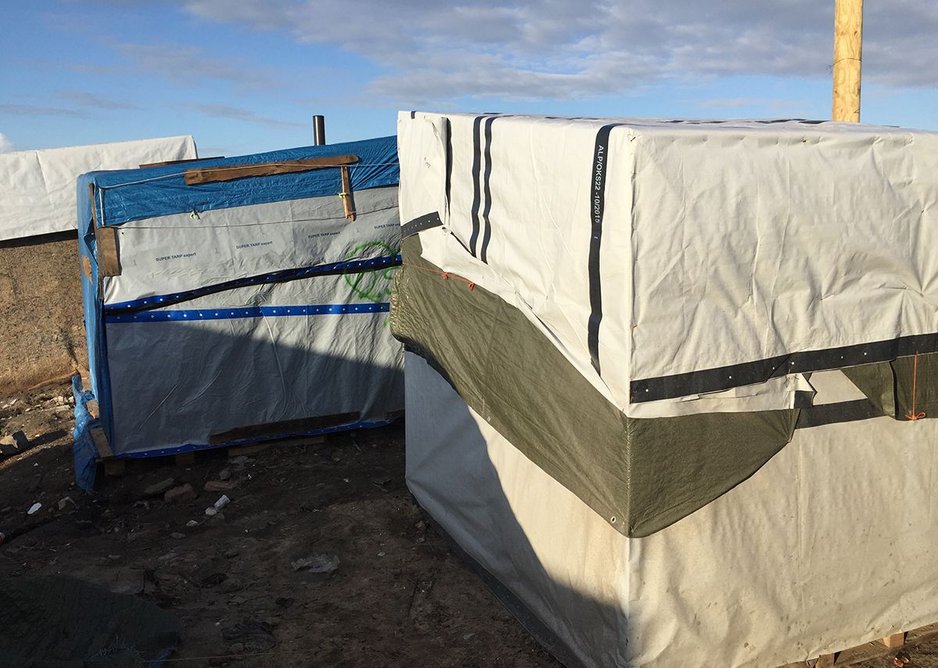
pixel 905 388
pixel 640 474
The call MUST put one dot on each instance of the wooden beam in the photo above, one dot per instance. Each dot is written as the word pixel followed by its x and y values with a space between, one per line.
pixel 107 247
pixel 894 640
pixel 230 173
pixel 848 58
pixel 348 203
pixel 825 661
pixel 108 251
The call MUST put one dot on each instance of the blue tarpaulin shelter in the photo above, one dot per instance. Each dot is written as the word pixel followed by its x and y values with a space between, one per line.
pixel 235 300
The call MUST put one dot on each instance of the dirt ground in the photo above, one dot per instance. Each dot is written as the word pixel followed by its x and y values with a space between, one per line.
pixel 398 596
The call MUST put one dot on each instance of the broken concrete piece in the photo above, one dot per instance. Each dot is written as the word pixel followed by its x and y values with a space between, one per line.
pixel 159 487
pixel 220 485
pixel 178 494
pixel 317 563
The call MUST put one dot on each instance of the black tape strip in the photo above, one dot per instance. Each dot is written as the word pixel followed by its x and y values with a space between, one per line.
pixel 597 209
pixel 759 371
pixel 487 191
pixel 425 222
pixel 844 411
pixel 449 160
pixel 476 186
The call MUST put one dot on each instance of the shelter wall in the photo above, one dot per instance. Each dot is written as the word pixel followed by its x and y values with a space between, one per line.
pixel 41 328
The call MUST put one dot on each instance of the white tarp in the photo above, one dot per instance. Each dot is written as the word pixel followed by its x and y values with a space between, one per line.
pixel 38 188
pixel 256 354
pixel 684 249
pixel 833 543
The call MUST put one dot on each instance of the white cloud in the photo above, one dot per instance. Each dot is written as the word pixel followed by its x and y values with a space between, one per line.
pixel 556 49
pixel 193 66
pixel 5 144
pixel 92 101
pixel 241 114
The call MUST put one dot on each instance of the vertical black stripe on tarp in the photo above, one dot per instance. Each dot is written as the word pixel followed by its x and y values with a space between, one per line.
pixel 449 160
pixel 597 209
pixel 476 186
pixel 487 191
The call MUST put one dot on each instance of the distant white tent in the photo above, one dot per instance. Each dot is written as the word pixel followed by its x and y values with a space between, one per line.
pixel 37 188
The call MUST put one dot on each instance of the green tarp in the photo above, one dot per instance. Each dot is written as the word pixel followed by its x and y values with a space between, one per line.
pixel 640 474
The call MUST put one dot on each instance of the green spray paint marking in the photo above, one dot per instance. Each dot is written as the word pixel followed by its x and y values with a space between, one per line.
pixel 375 286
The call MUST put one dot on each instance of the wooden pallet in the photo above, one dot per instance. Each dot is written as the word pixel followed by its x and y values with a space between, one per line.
pixel 883 647
pixel 117 467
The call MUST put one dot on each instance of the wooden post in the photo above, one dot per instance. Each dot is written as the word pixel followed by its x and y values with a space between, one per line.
pixel 894 640
pixel 848 57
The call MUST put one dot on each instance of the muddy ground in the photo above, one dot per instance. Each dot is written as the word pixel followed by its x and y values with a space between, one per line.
pixel 398 596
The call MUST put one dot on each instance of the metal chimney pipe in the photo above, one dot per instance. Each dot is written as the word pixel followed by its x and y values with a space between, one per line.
pixel 319 130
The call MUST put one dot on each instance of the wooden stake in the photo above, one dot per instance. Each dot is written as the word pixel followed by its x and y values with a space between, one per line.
pixel 848 57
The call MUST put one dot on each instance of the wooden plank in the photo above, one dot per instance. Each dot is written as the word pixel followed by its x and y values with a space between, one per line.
pixel 99 438
pixel 848 57
pixel 108 252
pixel 246 450
pixel 230 173
pixel 185 459
pixel 284 429
pixel 894 640
pixel 825 661
pixel 872 651
pixel 348 200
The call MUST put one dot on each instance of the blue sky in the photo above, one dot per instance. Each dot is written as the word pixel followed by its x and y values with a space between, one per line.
pixel 247 75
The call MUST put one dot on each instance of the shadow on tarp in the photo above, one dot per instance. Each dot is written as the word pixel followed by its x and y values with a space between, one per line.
pixel 61 622
pixel 452 476
pixel 180 386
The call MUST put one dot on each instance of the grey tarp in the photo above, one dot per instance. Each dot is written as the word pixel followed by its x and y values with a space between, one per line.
pixel 641 475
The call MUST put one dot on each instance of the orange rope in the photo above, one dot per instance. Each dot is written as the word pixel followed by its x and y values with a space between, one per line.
pixel 445 275
pixel 912 415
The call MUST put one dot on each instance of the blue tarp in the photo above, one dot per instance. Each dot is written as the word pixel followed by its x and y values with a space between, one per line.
pixel 135 194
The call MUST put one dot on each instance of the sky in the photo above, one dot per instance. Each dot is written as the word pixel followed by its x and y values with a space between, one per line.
pixel 245 76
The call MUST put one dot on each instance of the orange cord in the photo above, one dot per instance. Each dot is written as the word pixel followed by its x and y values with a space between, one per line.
pixel 445 275
pixel 912 415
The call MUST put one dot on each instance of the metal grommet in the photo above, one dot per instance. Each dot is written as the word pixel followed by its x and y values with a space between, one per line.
pixel 613 519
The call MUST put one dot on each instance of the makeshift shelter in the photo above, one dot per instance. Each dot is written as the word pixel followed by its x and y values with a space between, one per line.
pixel 670 382
pixel 235 300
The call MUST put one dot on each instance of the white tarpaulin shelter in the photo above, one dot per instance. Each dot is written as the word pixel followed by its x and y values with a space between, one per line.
pixel 37 188
pixel 672 382
pixel 237 300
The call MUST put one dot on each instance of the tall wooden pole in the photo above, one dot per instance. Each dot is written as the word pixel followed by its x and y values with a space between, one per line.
pixel 848 57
